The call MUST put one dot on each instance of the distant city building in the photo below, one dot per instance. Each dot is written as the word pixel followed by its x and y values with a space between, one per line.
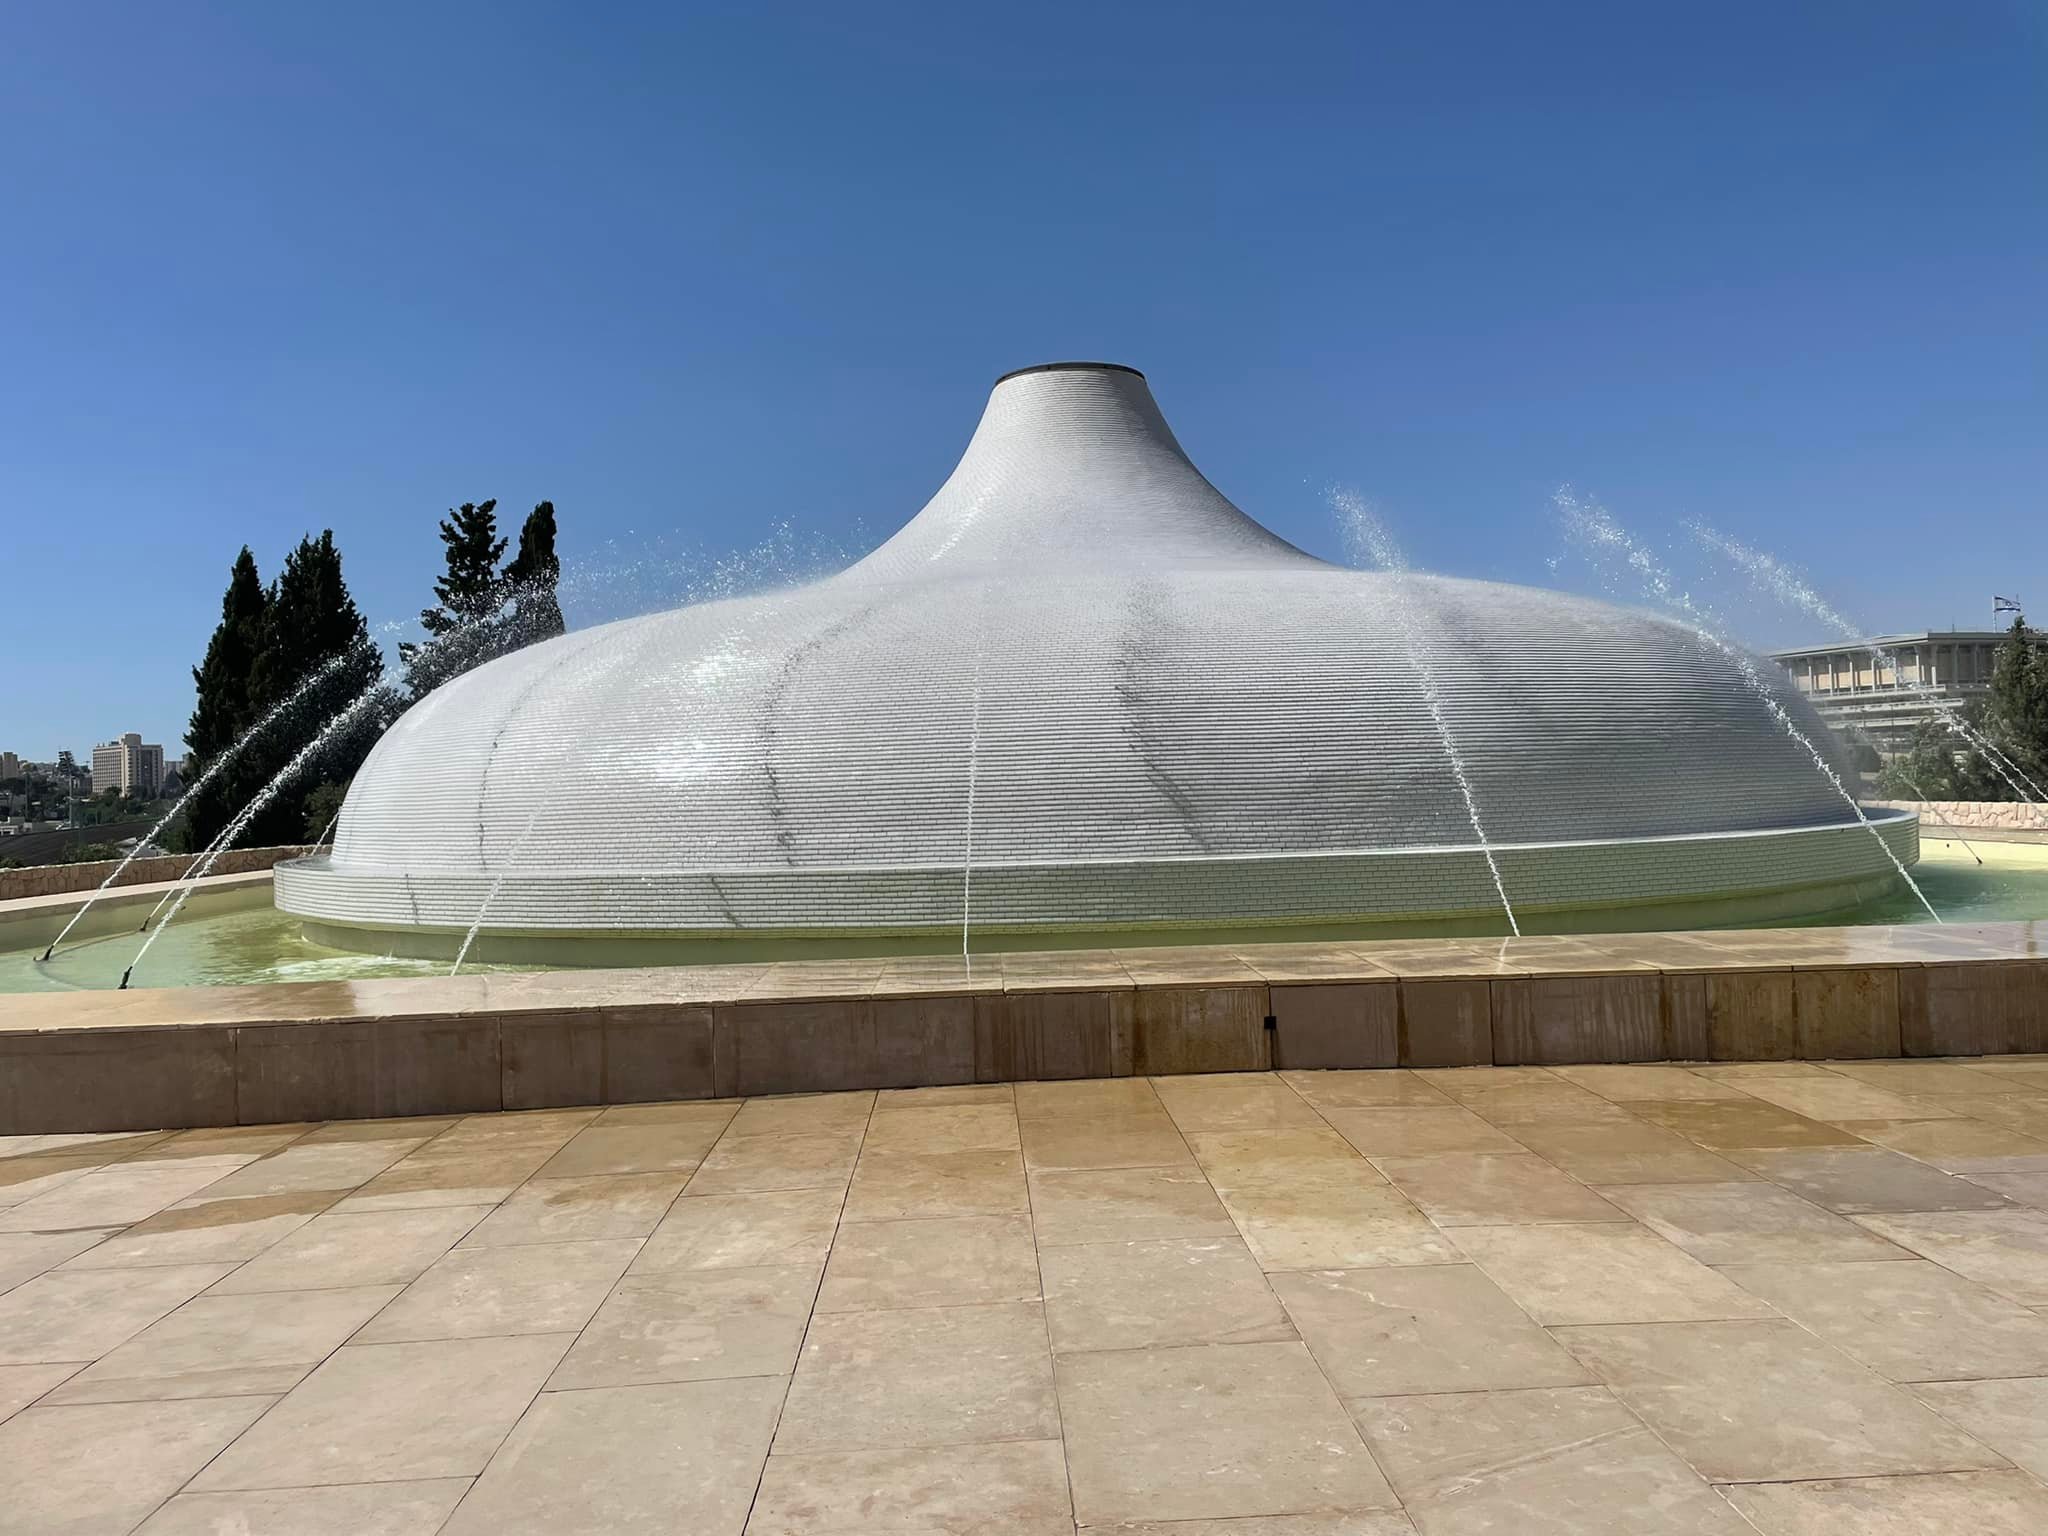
pixel 1919 676
pixel 10 766
pixel 127 764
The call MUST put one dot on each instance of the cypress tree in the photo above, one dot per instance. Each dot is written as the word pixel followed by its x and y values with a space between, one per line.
pixel 532 577
pixel 309 618
pixel 470 593
pixel 2016 712
pixel 225 706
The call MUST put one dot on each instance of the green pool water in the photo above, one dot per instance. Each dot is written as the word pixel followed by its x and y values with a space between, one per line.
pixel 260 943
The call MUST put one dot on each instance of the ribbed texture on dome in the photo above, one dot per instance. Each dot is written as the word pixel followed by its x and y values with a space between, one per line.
pixel 1157 710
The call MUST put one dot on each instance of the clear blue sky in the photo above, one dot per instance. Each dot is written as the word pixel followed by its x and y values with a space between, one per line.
pixel 688 270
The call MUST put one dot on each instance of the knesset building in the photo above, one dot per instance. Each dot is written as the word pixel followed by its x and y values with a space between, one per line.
pixel 1082 698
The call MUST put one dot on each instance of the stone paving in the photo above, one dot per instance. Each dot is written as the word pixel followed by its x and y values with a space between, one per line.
pixel 1790 1298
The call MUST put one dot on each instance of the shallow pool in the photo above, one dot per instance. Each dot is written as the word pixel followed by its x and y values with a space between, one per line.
pixel 260 943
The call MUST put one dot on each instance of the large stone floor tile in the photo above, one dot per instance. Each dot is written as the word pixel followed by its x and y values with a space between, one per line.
pixel 921 1377
pixel 388 1412
pixel 364 1509
pixel 81 1314
pixel 363 1248
pixel 1748 1223
pixel 579 1210
pixel 1625 1152
pixel 944 1128
pixel 1358 1090
pixel 1960 1145
pixel 2027 1115
pixel 21 1385
pixel 24 1255
pixel 1405 1130
pixel 1749 1401
pixel 1230 1157
pixel 1175 1290
pixel 798 1160
pixel 115 1196
pixel 1210 1432
pixel 803 1113
pixel 1567 1461
pixel 944 1261
pixel 694 1325
pixel 26 1178
pixel 1467 1190
pixel 1420 1328
pixel 790 1226
pixel 1967 1503
pixel 313 1167
pixel 893 1185
pixel 1623 1084
pixel 2027 1189
pixel 204 1230
pixel 1860 1179
pixel 1934 1079
pixel 1123 1141
pixel 1107 1205
pixel 674 1457
pixel 480 1293
pixel 947 1094
pixel 1603 1273
pixel 435 1177
pixel 1018 1488
pixel 1729 1125
pixel 1093 1098
pixel 674 1144
pixel 2005 1250
pixel 1361 1523
pixel 228 1346
pixel 1233 1101
pixel 1910 1321
pixel 1336 1221
pixel 97 1470
pixel 2010 1416
pixel 1836 1100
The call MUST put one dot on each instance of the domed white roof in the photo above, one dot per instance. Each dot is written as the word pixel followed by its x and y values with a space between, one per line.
pixel 1083 675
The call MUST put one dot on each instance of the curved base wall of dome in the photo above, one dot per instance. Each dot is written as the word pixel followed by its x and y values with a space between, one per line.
pixel 629 916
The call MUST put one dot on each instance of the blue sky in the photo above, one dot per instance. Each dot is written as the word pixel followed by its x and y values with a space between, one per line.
pixel 692 270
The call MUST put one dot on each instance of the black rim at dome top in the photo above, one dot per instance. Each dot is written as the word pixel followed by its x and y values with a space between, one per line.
pixel 1018 373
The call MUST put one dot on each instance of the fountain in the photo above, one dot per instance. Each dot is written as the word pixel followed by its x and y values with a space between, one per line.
pixel 1592 524
pixel 1369 537
pixel 1770 576
pixel 1082 698
pixel 277 711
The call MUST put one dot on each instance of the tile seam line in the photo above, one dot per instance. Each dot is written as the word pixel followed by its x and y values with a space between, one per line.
pixel 810 1320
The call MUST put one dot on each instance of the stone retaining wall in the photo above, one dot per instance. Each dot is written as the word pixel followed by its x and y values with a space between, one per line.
pixel 56 879
pixel 2013 820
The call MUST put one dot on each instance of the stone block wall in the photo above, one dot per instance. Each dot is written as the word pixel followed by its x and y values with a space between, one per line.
pixel 57 879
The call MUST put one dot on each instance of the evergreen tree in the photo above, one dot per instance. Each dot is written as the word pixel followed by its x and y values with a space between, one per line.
pixel 225 706
pixel 532 577
pixel 2016 713
pixel 309 619
pixel 223 710
pixel 470 593
pixel 483 612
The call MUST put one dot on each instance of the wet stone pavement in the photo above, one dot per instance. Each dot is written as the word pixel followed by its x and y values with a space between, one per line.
pixel 1789 1298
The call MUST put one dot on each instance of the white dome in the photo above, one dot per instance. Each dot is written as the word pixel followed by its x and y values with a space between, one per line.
pixel 1085 676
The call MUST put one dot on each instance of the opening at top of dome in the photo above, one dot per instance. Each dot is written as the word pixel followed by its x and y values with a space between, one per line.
pixel 1018 373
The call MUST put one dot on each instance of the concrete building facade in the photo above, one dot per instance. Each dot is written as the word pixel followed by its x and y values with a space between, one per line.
pixel 1886 687
pixel 127 763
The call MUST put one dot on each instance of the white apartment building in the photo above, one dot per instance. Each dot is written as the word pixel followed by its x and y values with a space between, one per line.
pixel 127 763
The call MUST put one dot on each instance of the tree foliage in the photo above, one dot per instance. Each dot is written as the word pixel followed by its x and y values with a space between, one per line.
pixel 1942 764
pixel 485 612
pixel 307 620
